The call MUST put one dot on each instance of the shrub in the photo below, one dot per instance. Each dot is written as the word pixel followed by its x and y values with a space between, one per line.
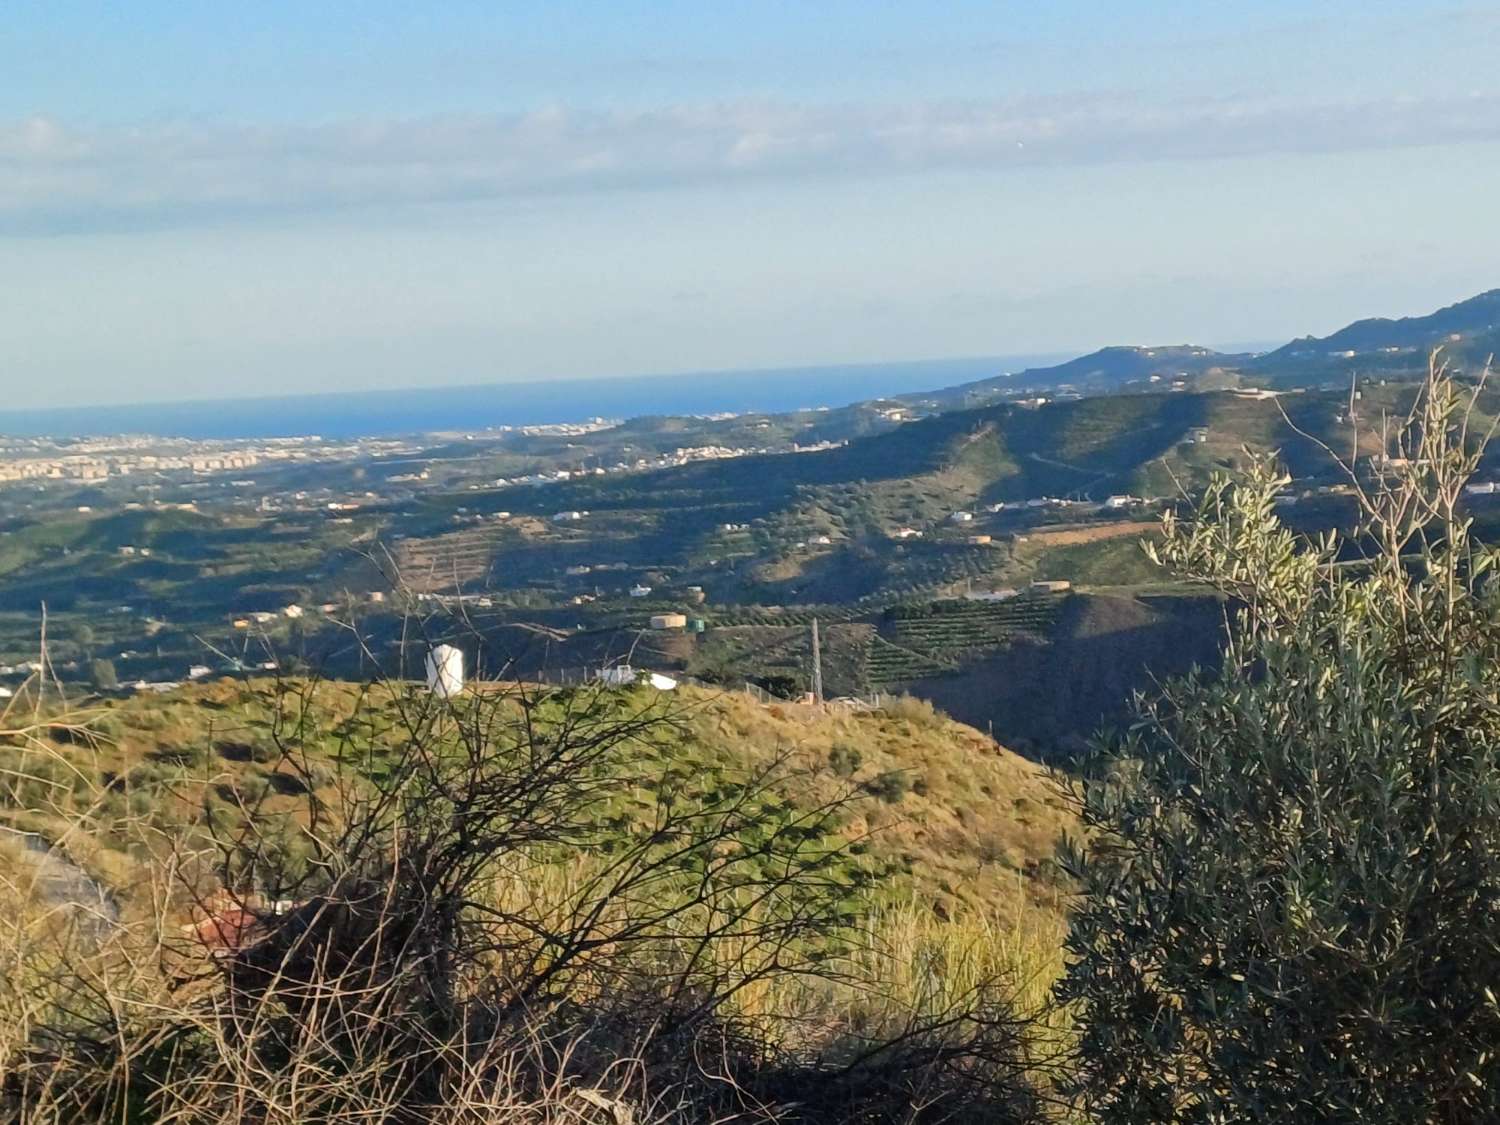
pixel 845 760
pixel 150 719
pixel 103 675
pixel 1291 901
pixel 910 709
pixel 34 777
pixel 890 786
pixel 520 918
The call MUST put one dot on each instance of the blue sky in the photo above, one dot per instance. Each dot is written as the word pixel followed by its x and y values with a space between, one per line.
pixel 199 200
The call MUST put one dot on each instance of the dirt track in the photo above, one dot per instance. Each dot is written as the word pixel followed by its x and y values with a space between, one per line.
pixel 1069 536
pixel 61 883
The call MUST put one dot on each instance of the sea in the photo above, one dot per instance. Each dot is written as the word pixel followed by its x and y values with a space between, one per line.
pixel 474 408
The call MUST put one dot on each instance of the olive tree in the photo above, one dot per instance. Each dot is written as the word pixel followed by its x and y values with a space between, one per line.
pixel 1290 905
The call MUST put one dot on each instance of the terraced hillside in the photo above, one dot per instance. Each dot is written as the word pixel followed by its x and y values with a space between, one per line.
pixel 923 641
pixel 878 650
pixel 1049 695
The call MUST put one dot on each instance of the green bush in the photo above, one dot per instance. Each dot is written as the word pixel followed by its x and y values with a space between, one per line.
pixel 150 719
pixel 103 675
pixel 253 788
pixel 1290 904
pixel 34 778
pixel 891 786
pixel 844 760
pixel 141 803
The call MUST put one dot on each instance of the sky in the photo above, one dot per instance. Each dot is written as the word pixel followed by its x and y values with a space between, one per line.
pixel 211 200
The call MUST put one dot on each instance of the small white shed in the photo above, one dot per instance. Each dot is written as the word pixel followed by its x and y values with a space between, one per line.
pixel 445 671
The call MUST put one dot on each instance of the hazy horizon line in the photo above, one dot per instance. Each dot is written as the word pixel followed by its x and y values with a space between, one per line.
pixel 524 381
pixel 1032 359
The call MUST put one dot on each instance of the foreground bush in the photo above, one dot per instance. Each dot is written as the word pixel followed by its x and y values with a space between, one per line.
pixel 496 914
pixel 1292 908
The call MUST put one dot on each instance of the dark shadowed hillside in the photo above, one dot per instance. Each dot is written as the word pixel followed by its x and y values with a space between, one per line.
pixel 1049 695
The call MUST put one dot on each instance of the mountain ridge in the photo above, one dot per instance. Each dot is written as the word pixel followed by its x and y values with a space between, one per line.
pixel 1110 367
pixel 1472 317
pixel 1468 329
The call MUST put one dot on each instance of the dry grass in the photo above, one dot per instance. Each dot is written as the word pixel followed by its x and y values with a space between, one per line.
pixel 906 971
pixel 951 953
pixel 1092 533
pixel 975 824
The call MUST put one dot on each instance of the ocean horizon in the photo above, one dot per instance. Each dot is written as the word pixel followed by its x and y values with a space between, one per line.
pixel 351 414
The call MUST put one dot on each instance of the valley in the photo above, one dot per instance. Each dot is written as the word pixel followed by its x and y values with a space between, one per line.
pixel 911 530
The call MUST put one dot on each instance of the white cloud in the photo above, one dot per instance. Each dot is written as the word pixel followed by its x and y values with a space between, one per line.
pixel 58 177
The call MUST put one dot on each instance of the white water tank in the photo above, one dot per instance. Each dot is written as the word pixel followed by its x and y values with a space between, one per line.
pixel 445 671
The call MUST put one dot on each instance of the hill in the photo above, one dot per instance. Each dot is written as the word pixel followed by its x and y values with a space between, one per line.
pixel 1050 694
pixel 705 516
pixel 1468 331
pixel 604 869
pixel 1042 672
pixel 944 812
pixel 818 527
pixel 1477 317
pixel 1104 371
pixel 978 499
